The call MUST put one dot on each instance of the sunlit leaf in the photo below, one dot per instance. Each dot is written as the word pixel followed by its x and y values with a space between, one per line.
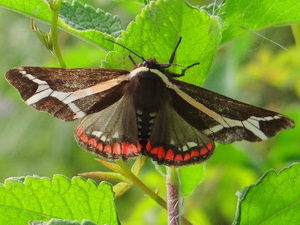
pixel 84 17
pixel 62 222
pixel 36 198
pixel 156 31
pixel 82 21
pixel 273 200
pixel 243 16
pixel 190 177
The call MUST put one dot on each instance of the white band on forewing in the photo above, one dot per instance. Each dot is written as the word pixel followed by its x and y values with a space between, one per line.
pixel 44 91
pixel 251 124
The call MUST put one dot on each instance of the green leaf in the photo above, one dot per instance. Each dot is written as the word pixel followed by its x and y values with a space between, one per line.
pixel 81 18
pixel 62 222
pixel 273 200
pixel 156 31
pixel 242 16
pixel 190 177
pixel 82 21
pixel 38 198
pixel 107 176
pixel 142 1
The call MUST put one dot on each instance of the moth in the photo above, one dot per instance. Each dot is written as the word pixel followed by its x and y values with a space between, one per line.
pixel 124 114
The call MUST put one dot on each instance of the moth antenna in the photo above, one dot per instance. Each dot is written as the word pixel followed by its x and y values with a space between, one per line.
pixel 264 37
pixel 127 49
pixel 131 59
pixel 171 60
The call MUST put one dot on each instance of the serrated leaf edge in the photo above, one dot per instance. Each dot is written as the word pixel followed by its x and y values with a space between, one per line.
pixel 242 194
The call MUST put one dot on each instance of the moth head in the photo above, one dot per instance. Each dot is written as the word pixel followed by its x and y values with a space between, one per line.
pixel 153 64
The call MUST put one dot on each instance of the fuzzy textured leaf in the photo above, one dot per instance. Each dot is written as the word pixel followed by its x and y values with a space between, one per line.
pixel 83 21
pixel 81 18
pixel 156 31
pixel 62 222
pixel 273 200
pixel 36 198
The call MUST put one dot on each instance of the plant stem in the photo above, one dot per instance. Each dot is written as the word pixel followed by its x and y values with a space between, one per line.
pixel 141 185
pixel 127 172
pixel 55 6
pixel 173 196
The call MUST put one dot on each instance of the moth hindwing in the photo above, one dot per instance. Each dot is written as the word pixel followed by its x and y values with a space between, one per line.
pixel 145 111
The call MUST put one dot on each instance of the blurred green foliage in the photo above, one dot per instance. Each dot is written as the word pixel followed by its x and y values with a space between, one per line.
pixel 250 69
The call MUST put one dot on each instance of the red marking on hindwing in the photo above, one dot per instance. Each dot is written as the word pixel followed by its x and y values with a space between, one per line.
pixel 124 146
pixel 161 153
pixel 148 146
pixel 139 147
pixel 127 148
pixel 169 155
pixel 203 151
pixel 133 149
pixel 195 153
pixel 100 147
pixel 92 142
pixel 79 132
pixel 178 157
pixel 210 146
pixel 84 138
pixel 108 149
pixel 154 151
pixel 116 148
pixel 187 157
pixel 116 151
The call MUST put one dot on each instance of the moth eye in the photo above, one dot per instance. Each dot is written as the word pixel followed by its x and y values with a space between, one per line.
pixel 144 63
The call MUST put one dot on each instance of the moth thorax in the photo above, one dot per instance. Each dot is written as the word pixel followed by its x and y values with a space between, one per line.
pixel 145 122
pixel 148 91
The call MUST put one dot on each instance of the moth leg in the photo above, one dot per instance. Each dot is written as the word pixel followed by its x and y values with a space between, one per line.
pixel 183 70
pixel 188 67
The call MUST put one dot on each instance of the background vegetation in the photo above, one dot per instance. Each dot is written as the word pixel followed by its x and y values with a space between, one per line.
pixel 251 69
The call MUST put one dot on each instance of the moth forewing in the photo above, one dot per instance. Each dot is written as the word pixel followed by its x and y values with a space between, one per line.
pixel 223 119
pixel 68 94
